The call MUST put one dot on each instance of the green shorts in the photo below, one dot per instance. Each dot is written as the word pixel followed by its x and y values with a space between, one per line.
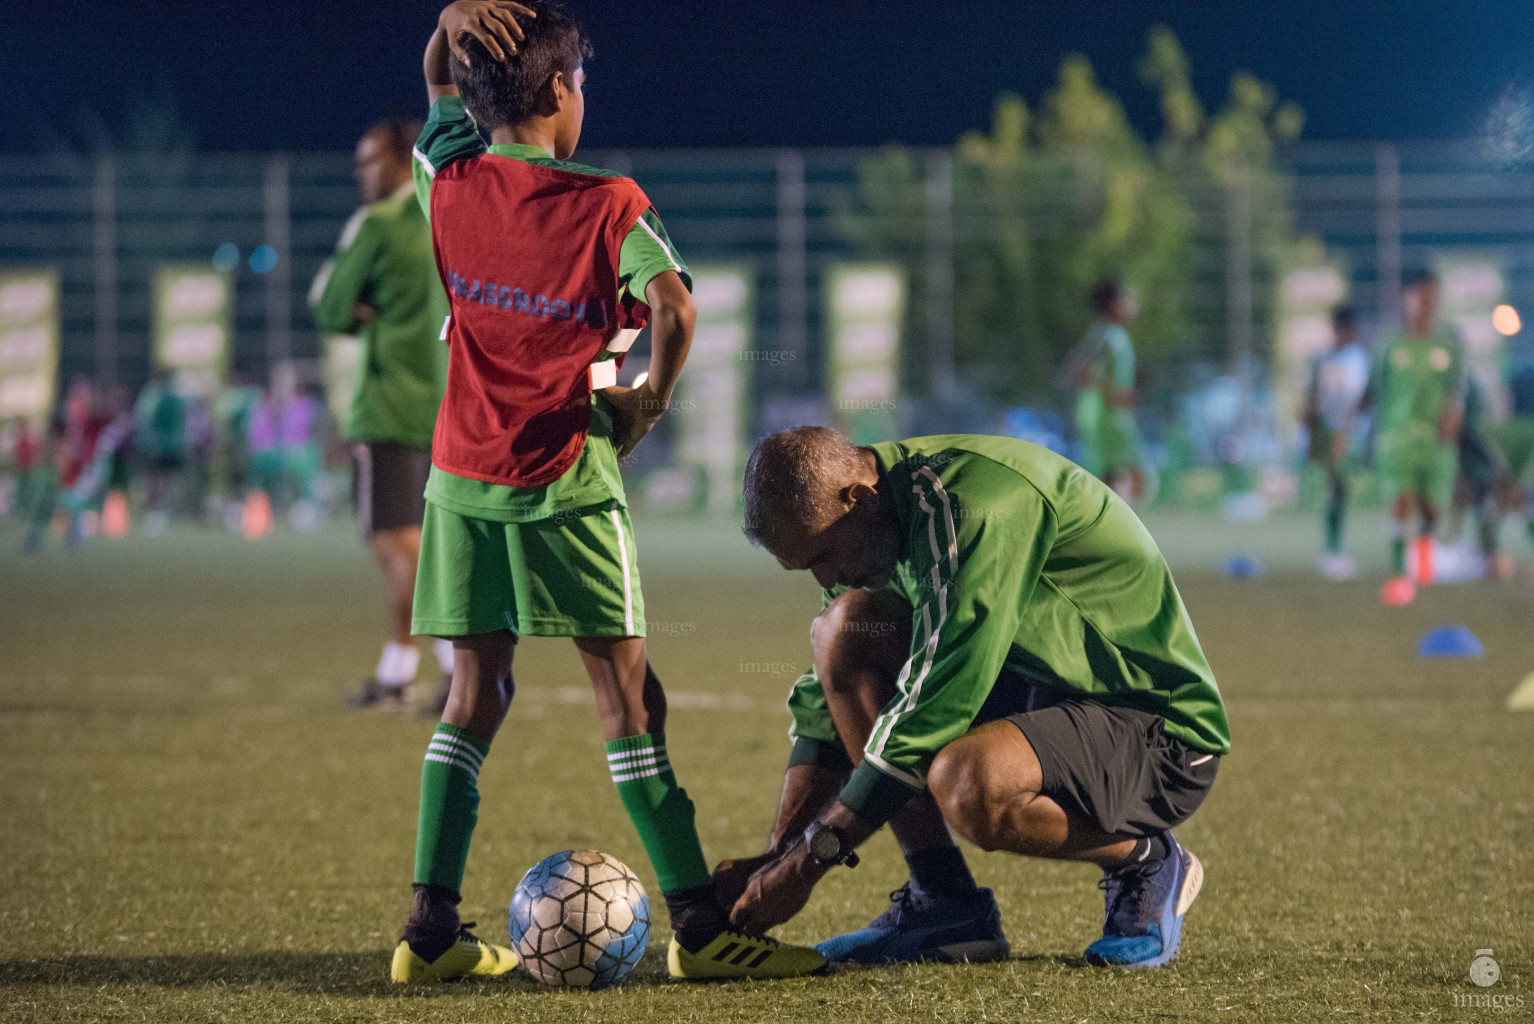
pixel 1111 445
pixel 1516 439
pixel 572 574
pixel 1422 468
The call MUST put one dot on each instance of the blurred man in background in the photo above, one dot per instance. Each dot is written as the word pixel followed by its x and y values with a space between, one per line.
pixel 1332 405
pixel 1417 394
pixel 382 285
pixel 231 416
pixel 1514 438
pixel 160 424
pixel 1105 373
pixel 1479 489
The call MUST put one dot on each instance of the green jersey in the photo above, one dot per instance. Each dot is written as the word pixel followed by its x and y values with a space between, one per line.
pixel 1108 358
pixel 384 260
pixel 450 134
pixel 1016 559
pixel 1415 381
pixel 1110 441
pixel 160 419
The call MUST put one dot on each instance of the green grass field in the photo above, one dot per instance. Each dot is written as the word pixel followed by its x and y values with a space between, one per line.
pixel 194 830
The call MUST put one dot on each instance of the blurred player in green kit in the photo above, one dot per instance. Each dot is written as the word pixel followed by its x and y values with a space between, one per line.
pixel 1105 420
pixel 1417 396
pixel 382 285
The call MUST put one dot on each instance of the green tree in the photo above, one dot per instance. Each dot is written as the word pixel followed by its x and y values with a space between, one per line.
pixel 1043 207
pixel 1047 202
pixel 1227 165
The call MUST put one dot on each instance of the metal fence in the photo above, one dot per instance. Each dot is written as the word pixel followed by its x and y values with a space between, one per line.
pixel 106 224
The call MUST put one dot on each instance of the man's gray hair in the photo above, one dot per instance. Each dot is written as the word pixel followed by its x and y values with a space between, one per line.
pixel 794 478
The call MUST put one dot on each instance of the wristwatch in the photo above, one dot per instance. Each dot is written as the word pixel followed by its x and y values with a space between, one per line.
pixel 828 845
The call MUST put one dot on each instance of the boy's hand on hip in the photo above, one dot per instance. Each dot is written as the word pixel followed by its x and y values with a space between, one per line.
pixel 492 22
pixel 635 413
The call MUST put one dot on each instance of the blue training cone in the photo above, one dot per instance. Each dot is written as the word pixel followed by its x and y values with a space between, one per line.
pixel 1243 567
pixel 1449 642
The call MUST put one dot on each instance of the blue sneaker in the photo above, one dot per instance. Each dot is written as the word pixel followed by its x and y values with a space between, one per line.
pixel 921 926
pixel 1145 909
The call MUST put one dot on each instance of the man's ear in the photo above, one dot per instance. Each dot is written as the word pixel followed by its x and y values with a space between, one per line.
pixel 862 494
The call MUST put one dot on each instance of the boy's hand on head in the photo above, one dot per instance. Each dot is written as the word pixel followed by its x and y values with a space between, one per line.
pixel 635 413
pixel 492 22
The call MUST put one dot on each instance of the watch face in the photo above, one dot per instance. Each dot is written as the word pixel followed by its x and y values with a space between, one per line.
pixel 825 845
pixel 1484 971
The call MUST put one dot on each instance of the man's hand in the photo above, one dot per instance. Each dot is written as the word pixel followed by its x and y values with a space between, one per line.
pixel 732 876
pixel 777 891
pixel 492 22
pixel 635 413
pixel 363 314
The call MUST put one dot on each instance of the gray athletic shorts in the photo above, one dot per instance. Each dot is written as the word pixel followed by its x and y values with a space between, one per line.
pixel 390 480
pixel 1113 766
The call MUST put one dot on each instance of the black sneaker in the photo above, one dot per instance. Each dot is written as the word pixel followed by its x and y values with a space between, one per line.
pixel 373 694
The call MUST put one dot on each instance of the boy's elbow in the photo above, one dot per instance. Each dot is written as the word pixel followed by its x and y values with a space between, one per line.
pixel 676 312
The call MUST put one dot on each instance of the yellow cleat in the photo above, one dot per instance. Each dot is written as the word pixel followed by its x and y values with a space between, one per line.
pixel 736 955
pixel 469 955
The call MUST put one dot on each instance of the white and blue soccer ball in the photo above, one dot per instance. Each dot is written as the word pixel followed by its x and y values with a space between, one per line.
pixel 579 919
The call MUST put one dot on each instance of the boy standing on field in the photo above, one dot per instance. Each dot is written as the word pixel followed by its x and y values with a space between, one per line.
pixel 1417 398
pixel 551 270
pixel 1333 399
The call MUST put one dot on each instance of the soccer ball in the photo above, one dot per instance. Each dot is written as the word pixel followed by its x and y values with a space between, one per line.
pixel 579 919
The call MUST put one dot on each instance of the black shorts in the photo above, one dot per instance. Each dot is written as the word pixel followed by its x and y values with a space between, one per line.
pixel 390 481
pixel 1113 766
pixel 167 462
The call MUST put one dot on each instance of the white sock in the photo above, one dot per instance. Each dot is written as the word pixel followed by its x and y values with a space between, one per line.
pixel 444 651
pixel 397 664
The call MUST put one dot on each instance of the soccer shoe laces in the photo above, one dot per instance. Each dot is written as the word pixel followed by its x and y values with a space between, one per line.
pixel 900 899
pixel 1125 892
pixel 765 940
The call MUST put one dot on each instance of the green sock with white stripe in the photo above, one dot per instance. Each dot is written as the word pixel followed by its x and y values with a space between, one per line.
pixel 660 810
pixel 449 806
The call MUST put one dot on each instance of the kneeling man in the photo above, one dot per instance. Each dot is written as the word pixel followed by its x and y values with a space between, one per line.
pixel 1002 651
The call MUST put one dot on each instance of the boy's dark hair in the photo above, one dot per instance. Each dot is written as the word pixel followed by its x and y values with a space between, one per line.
pixel 1104 294
pixel 1344 318
pixel 399 134
pixel 505 93
pixel 1422 275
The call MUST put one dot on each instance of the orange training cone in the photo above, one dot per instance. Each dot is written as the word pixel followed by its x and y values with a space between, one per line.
pixel 256 519
pixel 1426 571
pixel 114 514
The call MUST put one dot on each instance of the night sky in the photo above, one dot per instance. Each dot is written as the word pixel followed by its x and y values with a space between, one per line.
pixel 310 76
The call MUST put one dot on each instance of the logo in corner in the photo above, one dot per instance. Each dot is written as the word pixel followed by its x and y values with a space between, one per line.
pixel 1484 971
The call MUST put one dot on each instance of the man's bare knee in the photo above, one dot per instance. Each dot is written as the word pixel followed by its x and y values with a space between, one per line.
pixel 982 778
pixel 867 631
pixel 957 783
